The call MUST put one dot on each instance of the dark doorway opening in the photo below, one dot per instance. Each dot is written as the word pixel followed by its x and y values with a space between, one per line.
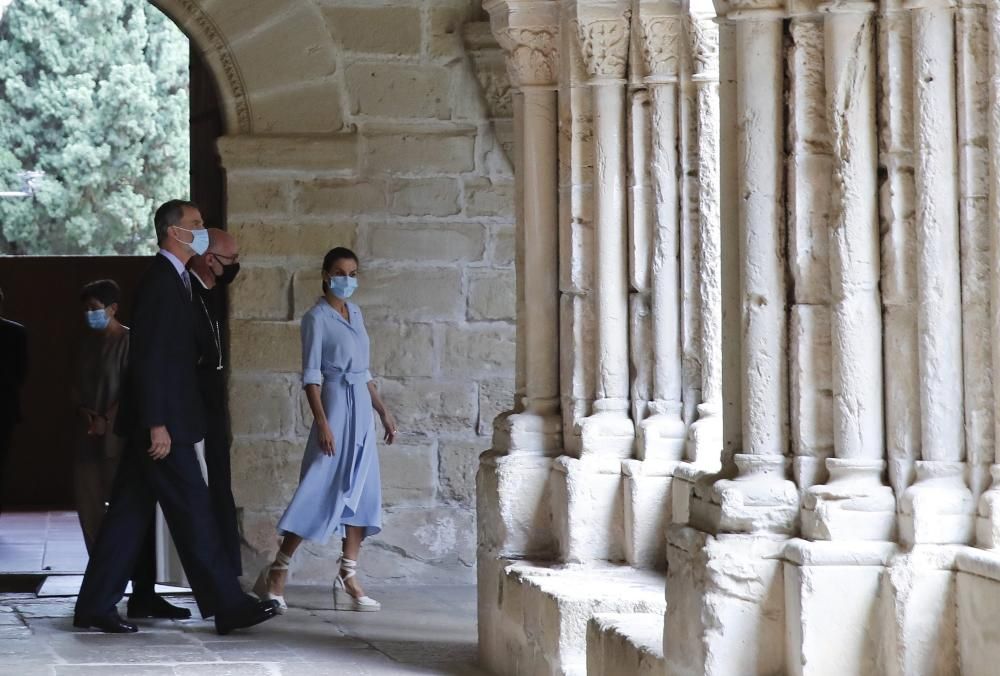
pixel 42 293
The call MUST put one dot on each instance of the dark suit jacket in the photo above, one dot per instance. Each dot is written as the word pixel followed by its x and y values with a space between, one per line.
pixel 161 387
pixel 13 369
pixel 208 309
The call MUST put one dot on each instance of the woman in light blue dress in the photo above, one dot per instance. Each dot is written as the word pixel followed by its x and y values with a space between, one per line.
pixel 339 491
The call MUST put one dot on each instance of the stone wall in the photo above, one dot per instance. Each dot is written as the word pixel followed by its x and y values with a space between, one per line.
pixel 363 124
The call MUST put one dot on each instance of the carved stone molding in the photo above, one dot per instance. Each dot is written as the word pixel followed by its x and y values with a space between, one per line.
pixel 704 48
pixel 488 64
pixel 661 39
pixel 209 39
pixel 604 46
pixel 532 54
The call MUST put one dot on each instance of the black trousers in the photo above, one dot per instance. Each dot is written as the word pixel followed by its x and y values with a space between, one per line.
pixel 6 435
pixel 220 488
pixel 176 483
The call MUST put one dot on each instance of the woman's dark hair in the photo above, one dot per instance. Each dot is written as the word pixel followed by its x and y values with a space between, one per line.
pixel 337 254
pixel 105 291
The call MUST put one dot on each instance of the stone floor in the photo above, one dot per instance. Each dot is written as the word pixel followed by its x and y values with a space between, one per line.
pixel 421 630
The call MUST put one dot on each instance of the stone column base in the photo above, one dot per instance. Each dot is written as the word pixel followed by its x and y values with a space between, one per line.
pixel 648 511
pixel 725 604
pixel 588 509
pixel 938 508
pixel 704 442
pixel 608 433
pixel 527 432
pixel 833 601
pixel 663 435
pixel 988 519
pixel 852 505
pixel 759 500
pixel 512 505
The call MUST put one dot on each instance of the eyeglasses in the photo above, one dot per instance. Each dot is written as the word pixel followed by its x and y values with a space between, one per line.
pixel 227 260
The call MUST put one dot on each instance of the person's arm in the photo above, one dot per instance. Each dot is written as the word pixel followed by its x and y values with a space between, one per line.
pixel 153 328
pixel 312 380
pixel 388 422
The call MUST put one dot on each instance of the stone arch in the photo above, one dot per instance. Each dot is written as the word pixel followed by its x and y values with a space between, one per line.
pixel 211 42
pixel 259 80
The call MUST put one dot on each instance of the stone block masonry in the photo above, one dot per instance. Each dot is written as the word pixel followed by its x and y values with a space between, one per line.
pixel 377 135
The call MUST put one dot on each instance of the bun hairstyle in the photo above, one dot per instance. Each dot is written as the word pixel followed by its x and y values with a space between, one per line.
pixel 336 254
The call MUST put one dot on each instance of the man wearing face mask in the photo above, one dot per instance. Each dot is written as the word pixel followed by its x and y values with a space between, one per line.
pixel 212 272
pixel 162 417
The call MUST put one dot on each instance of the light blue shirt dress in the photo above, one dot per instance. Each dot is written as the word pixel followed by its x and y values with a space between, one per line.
pixel 343 489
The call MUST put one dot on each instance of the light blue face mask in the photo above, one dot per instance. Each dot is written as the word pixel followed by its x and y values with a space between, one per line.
pixel 199 241
pixel 97 319
pixel 342 287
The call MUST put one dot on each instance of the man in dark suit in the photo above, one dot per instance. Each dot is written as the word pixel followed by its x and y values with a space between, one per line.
pixel 13 372
pixel 213 271
pixel 162 418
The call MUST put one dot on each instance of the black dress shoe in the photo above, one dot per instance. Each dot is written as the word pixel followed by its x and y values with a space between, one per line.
pixel 260 611
pixel 156 606
pixel 109 624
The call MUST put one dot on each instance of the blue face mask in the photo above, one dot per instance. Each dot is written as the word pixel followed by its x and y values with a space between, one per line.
pixel 97 319
pixel 199 242
pixel 342 287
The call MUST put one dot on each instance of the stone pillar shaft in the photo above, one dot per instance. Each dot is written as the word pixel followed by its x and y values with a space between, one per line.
pixel 541 243
pixel 611 255
pixel 761 222
pixel 853 504
pixel 760 498
pixel 604 40
pixel 988 523
pixel 705 443
pixel 938 507
pixel 528 34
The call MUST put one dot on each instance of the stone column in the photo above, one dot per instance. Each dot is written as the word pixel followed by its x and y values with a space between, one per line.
pixel 988 523
pixel 854 503
pixel 760 498
pixel 603 31
pixel 529 37
pixel 662 434
pixel 705 434
pixel 939 506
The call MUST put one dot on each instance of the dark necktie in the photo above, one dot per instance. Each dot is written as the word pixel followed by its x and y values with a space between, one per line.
pixel 186 277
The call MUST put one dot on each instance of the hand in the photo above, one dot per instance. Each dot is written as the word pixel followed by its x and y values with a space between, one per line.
pixel 389 423
pixel 325 437
pixel 98 426
pixel 160 438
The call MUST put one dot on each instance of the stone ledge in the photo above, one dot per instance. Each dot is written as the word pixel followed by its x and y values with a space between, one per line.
pixel 543 611
pixel 625 644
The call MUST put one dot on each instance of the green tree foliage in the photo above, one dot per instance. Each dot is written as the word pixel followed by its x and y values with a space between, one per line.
pixel 94 94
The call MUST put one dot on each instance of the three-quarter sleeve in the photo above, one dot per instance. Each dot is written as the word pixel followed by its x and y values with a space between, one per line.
pixel 312 351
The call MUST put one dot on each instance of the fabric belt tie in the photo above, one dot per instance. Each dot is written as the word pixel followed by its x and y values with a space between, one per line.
pixel 353 378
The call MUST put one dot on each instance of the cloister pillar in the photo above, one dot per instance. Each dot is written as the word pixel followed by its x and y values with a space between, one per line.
pixel 854 503
pixel 662 434
pixel 603 32
pixel 705 433
pixel 535 426
pixel 938 507
pixel 760 498
pixel 988 523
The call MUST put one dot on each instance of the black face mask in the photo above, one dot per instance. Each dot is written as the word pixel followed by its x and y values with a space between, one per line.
pixel 229 273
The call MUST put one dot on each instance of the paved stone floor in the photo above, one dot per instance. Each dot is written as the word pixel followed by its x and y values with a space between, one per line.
pixel 421 630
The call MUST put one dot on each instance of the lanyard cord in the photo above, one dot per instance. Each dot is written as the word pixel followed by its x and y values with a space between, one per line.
pixel 216 334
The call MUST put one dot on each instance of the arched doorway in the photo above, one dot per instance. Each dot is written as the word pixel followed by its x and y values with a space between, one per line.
pixel 42 294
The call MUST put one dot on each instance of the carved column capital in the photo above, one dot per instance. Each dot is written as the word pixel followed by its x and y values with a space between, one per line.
pixel 660 40
pixel 704 48
pixel 528 32
pixel 604 45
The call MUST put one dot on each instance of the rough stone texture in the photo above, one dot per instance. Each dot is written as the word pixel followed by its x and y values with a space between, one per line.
pixel 625 644
pixel 366 125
